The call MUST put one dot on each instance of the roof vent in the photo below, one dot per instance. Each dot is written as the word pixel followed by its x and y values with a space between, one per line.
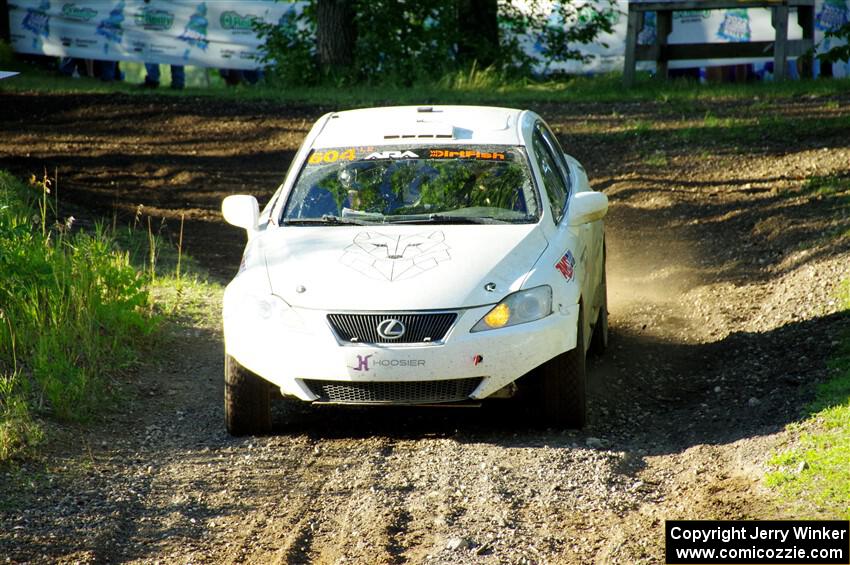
pixel 423 130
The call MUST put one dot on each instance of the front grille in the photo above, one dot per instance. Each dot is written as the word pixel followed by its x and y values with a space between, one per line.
pixel 416 392
pixel 419 328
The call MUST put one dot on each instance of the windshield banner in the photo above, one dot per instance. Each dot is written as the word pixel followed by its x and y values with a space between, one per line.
pixel 349 154
pixel 177 32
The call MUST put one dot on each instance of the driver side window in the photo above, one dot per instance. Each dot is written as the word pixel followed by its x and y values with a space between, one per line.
pixel 553 181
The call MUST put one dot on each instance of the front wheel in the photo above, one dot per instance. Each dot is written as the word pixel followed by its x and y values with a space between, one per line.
pixel 564 384
pixel 247 402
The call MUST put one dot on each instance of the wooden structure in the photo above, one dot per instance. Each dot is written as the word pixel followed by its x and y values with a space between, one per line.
pixel 661 52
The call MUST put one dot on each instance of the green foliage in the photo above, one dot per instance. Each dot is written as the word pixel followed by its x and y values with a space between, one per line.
pixel 289 51
pixel 73 311
pixel 475 79
pixel 473 184
pixel 18 431
pixel 405 43
pixel 814 472
pixel 417 42
pixel 557 32
pixel 838 52
pixel 6 53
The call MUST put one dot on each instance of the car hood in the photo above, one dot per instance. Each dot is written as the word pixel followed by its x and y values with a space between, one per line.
pixel 410 267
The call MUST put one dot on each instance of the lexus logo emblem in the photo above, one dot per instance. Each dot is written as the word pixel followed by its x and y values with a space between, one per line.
pixel 391 329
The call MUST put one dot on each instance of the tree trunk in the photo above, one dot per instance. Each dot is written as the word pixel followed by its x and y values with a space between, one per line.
pixel 336 34
pixel 479 31
pixel 4 21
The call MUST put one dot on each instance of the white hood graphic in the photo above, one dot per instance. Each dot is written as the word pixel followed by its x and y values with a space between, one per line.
pixel 409 267
pixel 396 257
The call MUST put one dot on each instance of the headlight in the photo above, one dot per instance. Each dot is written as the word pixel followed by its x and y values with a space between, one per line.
pixel 518 308
pixel 268 309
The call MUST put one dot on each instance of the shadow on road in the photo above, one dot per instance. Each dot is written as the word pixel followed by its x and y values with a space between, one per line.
pixel 658 396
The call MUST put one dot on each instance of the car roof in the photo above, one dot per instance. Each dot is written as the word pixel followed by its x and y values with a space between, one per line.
pixel 445 125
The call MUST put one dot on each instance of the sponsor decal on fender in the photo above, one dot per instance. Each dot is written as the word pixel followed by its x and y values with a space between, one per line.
pixel 566 266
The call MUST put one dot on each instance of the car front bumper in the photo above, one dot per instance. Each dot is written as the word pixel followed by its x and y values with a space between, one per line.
pixel 297 350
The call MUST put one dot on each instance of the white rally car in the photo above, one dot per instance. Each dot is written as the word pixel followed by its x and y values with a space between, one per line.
pixel 418 255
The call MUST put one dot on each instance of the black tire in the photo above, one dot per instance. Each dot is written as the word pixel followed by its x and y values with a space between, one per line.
pixel 564 384
pixel 247 402
pixel 599 339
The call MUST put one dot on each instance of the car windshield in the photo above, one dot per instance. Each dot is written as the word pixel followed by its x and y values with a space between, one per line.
pixel 413 184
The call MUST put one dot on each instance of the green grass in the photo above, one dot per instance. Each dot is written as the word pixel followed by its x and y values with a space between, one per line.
pixel 40 79
pixel 655 159
pixel 192 300
pixel 73 310
pixel 814 472
pixel 835 191
pixel 729 133
pixel 77 310
pixel 479 86
pixel 830 186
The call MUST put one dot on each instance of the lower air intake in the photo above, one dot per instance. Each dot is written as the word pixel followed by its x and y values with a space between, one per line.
pixel 417 392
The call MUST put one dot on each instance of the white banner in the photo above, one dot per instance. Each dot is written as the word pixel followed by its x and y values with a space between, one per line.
pixel 705 26
pixel 219 34
pixel 178 32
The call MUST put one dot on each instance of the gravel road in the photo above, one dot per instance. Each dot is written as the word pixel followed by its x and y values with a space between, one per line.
pixel 723 273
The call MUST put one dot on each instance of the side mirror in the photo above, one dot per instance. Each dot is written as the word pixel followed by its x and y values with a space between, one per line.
pixel 242 211
pixel 587 207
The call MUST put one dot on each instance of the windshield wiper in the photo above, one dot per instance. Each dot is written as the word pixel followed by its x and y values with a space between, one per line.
pixel 446 219
pixel 325 220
